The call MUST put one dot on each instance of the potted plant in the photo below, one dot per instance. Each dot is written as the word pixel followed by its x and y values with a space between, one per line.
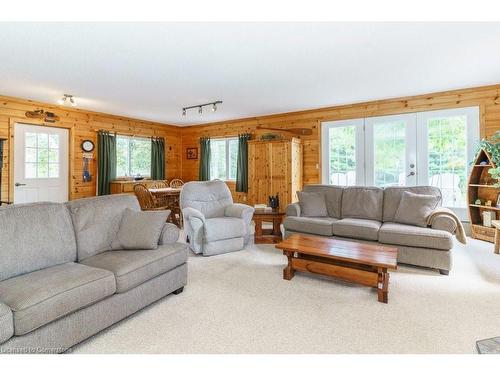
pixel 492 146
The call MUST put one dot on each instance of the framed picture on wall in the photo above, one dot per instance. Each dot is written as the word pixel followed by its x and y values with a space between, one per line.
pixel 192 153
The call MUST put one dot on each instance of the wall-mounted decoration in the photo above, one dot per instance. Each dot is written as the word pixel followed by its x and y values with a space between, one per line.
pixel 87 177
pixel 42 115
pixel 271 137
pixel 87 145
pixel 192 153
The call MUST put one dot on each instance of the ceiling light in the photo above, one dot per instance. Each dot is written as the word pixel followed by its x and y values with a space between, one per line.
pixel 67 98
pixel 213 106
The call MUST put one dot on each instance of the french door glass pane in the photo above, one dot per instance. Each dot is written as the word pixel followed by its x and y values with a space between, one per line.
pixel 342 155
pixel 389 144
pixel 447 153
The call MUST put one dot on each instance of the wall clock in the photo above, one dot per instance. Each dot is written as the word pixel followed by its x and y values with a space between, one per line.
pixel 87 146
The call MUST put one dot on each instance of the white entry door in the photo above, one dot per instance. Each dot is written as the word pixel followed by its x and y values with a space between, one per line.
pixel 40 164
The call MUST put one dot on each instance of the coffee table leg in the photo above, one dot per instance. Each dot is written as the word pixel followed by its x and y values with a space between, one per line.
pixel 288 271
pixel 383 285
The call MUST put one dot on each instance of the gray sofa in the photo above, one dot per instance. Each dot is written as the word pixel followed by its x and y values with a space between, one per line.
pixel 366 214
pixel 60 280
pixel 212 222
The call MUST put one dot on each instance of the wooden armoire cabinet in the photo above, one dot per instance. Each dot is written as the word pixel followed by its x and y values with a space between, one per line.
pixel 274 167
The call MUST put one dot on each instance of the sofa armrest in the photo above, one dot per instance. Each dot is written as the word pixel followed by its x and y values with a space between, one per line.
pixel 293 209
pixel 444 222
pixel 169 234
pixel 239 210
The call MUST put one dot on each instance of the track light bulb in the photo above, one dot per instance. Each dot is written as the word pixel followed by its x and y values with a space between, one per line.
pixel 214 107
pixel 200 110
pixel 184 111
pixel 72 101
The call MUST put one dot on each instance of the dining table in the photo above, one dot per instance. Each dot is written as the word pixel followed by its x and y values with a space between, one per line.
pixel 169 197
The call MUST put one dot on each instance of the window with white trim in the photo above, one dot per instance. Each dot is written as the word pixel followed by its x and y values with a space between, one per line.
pixel 224 156
pixel 133 156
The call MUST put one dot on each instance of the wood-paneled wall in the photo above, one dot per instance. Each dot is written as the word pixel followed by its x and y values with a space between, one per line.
pixel 486 97
pixel 82 125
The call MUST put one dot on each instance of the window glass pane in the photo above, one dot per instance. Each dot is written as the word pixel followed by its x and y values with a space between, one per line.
pixel 342 155
pixel 54 170
pixel 43 140
pixel 53 141
pixel 53 156
pixel 233 158
pixel 30 155
pixel 122 162
pixel 43 156
pixel 30 170
pixel 389 144
pixel 218 163
pixel 30 139
pixel 140 156
pixel 447 153
pixel 42 170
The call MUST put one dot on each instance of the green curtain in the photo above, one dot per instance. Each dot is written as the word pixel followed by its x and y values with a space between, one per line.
pixel 157 158
pixel 106 158
pixel 205 159
pixel 242 163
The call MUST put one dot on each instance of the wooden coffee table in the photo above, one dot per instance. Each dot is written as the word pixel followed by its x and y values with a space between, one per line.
pixel 364 264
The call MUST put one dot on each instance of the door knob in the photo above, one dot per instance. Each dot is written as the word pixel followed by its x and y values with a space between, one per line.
pixel 19 184
pixel 411 174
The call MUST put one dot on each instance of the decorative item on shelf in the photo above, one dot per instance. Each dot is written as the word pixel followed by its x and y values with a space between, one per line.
pixel 488 216
pixel 487 203
pixel 271 137
pixel 192 153
pixel 483 163
pixel 478 202
pixel 42 115
pixel 138 177
pixel 274 201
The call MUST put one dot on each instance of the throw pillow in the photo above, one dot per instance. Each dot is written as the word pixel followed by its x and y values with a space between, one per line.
pixel 140 230
pixel 312 204
pixel 414 209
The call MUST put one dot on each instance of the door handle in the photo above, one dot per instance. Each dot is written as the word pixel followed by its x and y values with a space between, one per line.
pixel 411 174
pixel 19 184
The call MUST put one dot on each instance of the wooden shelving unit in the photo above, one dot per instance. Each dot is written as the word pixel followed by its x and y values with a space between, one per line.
pixel 480 186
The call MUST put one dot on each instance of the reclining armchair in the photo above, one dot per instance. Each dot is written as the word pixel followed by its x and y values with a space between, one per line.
pixel 214 224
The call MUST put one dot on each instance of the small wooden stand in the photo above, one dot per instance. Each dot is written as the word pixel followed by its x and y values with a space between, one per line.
pixel 267 235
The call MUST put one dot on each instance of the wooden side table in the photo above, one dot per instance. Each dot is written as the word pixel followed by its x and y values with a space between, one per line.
pixel 496 225
pixel 267 235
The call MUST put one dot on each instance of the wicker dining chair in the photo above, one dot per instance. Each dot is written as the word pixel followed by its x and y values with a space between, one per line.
pixel 146 200
pixel 176 183
pixel 160 184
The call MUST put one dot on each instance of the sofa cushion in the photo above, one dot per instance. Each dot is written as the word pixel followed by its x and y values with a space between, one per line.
pixel 357 228
pixel 40 297
pixel 409 235
pixel 34 236
pixel 133 267
pixel 392 197
pixel 414 209
pixel 312 204
pixel 313 225
pixel 97 220
pixel 6 323
pixel 362 203
pixel 140 229
pixel 223 228
pixel 333 197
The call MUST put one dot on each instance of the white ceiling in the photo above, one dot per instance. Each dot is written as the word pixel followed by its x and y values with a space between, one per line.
pixel 151 70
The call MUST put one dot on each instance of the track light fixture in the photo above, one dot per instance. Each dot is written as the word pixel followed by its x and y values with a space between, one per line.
pixel 67 98
pixel 200 107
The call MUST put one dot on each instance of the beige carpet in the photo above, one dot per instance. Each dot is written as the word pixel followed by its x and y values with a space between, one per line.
pixel 239 303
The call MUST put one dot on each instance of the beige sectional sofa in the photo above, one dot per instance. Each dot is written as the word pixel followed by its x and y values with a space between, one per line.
pixel 367 214
pixel 61 281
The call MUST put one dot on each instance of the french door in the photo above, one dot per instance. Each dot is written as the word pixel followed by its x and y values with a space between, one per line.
pixel 425 148
pixel 40 163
